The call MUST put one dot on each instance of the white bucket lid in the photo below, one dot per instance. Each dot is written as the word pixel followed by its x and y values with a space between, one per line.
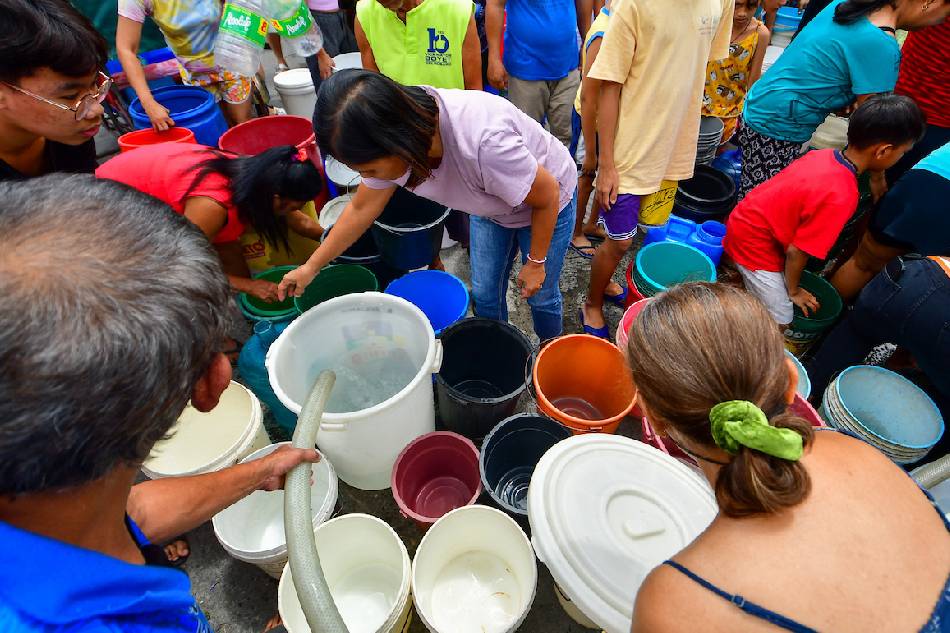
pixel 294 79
pixel 333 209
pixel 604 511
pixel 205 442
pixel 347 60
pixel 341 175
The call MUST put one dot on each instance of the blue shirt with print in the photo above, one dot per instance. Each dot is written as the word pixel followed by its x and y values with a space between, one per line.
pixel 823 70
pixel 541 42
pixel 47 586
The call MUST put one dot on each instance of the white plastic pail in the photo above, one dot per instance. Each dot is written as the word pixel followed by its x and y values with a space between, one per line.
pixel 295 88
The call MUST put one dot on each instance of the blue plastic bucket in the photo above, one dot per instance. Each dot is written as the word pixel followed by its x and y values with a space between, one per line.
pixel 788 19
pixel 442 297
pixel 665 264
pixel 190 107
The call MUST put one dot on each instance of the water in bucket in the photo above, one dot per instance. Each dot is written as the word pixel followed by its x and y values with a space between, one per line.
pixel 374 368
pixel 577 407
pixel 512 488
pixel 477 593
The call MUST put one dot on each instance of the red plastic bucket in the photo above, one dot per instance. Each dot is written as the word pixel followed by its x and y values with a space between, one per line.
pixel 257 135
pixel 435 474
pixel 141 138
pixel 626 322
pixel 633 293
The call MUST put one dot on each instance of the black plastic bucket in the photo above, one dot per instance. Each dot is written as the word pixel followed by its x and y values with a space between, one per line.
pixel 409 231
pixel 709 195
pixel 510 454
pixel 482 375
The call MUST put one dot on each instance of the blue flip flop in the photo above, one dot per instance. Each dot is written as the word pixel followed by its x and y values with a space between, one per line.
pixel 618 300
pixel 587 252
pixel 599 332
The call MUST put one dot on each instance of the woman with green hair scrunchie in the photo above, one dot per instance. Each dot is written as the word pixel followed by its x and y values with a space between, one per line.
pixel 817 531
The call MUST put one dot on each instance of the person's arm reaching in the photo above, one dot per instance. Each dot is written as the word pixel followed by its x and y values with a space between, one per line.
pixel 302 224
pixel 366 51
pixel 755 69
pixel 472 57
pixel 494 32
pixel 165 508
pixel 608 180
pixel 356 218
pixel 543 199
pixel 584 9
pixel 795 260
pixel 128 36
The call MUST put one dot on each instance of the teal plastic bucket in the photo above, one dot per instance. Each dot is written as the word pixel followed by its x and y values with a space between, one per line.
pixel 662 265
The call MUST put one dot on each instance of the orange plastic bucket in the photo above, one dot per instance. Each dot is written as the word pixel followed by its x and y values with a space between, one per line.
pixel 584 383
pixel 140 138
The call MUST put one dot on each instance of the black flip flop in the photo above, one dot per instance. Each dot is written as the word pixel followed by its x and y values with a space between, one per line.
pixel 178 562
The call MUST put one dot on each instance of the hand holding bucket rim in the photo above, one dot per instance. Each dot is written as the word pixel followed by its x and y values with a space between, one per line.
pixel 296 281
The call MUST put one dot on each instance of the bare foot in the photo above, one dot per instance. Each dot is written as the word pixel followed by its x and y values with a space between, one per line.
pixel 437 264
pixel 273 623
pixel 581 241
pixel 613 289
pixel 177 550
pixel 595 230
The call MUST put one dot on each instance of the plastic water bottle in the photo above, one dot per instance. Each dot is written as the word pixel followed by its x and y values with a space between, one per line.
pixel 242 34
pixel 291 19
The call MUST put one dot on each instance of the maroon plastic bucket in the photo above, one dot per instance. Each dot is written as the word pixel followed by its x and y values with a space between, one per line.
pixel 435 474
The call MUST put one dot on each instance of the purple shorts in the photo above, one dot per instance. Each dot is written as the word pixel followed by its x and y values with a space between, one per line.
pixel 630 210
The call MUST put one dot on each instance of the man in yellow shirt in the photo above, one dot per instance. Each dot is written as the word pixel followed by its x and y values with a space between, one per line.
pixel 648 120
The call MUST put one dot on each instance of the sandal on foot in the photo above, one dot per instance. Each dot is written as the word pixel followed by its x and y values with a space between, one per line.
pixel 178 562
pixel 587 252
pixel 618 300
pixel 599 332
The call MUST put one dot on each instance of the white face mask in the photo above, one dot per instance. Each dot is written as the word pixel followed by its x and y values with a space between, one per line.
pixel 402 180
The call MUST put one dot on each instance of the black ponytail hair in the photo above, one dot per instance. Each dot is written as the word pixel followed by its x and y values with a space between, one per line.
pixel 851 11
pixel 255 180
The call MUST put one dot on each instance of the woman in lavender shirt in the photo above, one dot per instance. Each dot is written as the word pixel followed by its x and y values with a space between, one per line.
pixel 467 150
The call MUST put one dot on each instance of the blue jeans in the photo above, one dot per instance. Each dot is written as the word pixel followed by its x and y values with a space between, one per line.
pixel 493 249
pixel 912 311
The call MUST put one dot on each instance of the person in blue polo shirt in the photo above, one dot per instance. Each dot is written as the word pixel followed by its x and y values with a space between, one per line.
pixel 104 339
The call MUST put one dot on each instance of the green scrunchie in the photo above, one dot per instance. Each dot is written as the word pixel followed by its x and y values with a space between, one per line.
pixel 740 422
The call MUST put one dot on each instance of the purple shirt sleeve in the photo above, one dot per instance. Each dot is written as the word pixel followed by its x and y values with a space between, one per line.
pixel 508 167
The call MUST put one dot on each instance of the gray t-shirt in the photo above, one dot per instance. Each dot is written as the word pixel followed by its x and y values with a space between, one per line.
pixel 490 156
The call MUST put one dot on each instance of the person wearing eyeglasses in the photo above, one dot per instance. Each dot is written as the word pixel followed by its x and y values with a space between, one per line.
pixel 50 89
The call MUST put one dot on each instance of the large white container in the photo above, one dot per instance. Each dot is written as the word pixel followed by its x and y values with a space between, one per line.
pixel 353 334
pixel 252 530
pixel 367 568
pixel 474 572
pixel 296 91
pixel 604 511
pixel 345 179
pixel 207 442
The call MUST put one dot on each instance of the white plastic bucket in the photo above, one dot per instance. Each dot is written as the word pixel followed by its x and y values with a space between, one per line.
pixel 252 530
pixel 367 569
pixel 295 88
pixel 345 179
pixel 369 333
pixel 207 442
pixel 571 609
pixel 474 572
pixel 347 60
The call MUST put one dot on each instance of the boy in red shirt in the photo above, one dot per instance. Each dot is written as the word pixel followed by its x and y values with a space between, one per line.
pixel 801 211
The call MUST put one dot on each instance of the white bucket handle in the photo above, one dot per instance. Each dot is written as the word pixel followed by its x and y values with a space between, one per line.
pixel 437 358
pixel 332 427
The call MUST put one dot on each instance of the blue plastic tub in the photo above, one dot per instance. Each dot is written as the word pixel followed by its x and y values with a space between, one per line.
pixel 665 264
pixel 708 238
pixel 442 297
pixel 788 19
pixel 190 107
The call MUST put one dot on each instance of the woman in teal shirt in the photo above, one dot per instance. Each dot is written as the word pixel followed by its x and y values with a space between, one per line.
pixel 847 53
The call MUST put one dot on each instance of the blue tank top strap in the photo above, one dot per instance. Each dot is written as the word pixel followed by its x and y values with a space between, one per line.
pixel 751 608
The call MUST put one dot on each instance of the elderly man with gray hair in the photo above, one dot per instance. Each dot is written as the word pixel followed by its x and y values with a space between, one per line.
pixel 111 319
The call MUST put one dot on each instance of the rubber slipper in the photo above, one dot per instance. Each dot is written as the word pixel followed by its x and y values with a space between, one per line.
pixel 599 332
pixel 618 300
pixel 587 252
pixel 593 237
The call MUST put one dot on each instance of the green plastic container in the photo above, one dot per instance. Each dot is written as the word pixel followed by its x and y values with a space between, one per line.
pixel 804 331
pixel 336 281
pixel 258 310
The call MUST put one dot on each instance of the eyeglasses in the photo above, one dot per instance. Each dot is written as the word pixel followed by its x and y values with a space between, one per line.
pixel 84 106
